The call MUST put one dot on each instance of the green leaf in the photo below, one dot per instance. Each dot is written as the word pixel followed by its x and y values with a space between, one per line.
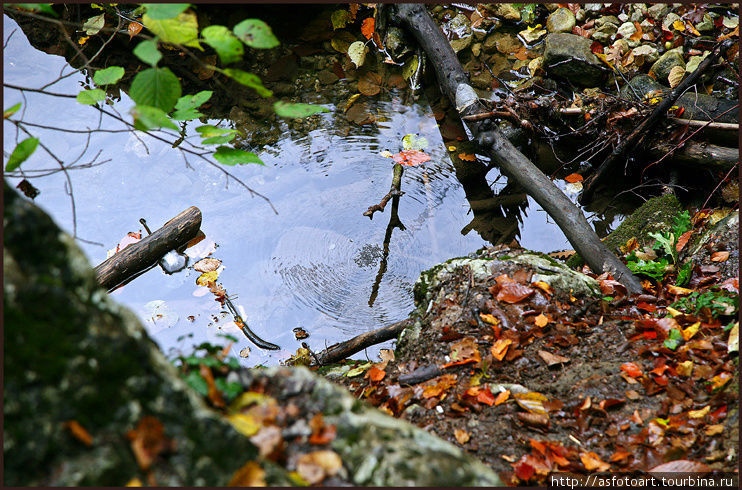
pixel 674 339
pixel 256 34
pixel 226 45
pixel 340 19
pixel 684 274
pixel 185 115
pixel 93 25
pixel 654 269
pixel 108 76
pixel 682 224
pixel 45 8
pixel 218 140
pixel 164 11
pixel 148 117
pixel 248 79
pixel 20 154
pixel 665 243
pixel 195 381
pixel 528 13
pixel 90 97
pixel 193 101
pixel 156 87
pixel 147 52
pixel 233 156
pixel 182 29
pixel 208 131
pixel 414 142
pixel 288 109
pixel 9 112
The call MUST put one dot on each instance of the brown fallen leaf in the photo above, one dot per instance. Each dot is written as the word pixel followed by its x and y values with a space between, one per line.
pixel 536 419
pixel 551 359
pixel 268 440
pixel 512 292
pixel 593 462
pixel 719 256
pixel 148 441
pixel 500 348
pixel 318 465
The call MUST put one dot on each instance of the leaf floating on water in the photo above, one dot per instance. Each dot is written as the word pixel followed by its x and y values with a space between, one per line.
pixel 245 353
pixel 207 265
pixel 414 142
pixel 207 278
pixel 411 157
pixel 572 178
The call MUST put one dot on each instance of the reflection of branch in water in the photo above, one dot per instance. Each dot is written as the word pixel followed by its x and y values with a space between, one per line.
pixel 394 222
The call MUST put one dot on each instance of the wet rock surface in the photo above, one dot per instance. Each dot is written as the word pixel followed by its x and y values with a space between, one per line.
pixel 569 56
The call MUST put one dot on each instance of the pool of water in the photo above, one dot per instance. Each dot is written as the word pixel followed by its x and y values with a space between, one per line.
pixel 317 264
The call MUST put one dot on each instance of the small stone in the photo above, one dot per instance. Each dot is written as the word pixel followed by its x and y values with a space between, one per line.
pixel 622 45
pixel 626 30
pixel 658 11
pixel 476 49
pixel 593 8
pixel 693 62
pixel 561 20
pixel 505 10
pixel 668 21
pixel 580 15
pixel 490 44
pixel 648 52
pixel 661 68
pixel 607 19
pixel 461 44
pixel 482 80
pixel 531 35
pixel 604 33
pixel 327 77
pixel 707 24
pixel 569 56
pixel 623 17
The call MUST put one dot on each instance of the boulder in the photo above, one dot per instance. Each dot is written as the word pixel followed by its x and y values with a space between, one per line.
pixel 569 56
pixel 91 400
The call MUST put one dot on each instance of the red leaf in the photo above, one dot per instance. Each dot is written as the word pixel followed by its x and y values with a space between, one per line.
pixel 646 306
pixel 682 240
pixel 572 178
pixel 411 157
pixel 512 292
pixel 485 396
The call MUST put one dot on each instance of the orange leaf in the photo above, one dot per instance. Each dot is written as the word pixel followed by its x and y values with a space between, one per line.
pixel 593 462
pixel 512 292
pixel 411 157
pixel 458 363
pixel 632 369
pixel 485 396
pixel 324 435
pixel 541 320
pixel 544 286
pixel 79 432
pixel 719 256
pixel 133 29
pixel 461 435
pixel 444 383
pixel 148 441
pixel 375 374
pixel 620 455
pixel 637 36
pixel 215 396
pixel 367 28
pixel 572 178
pixel 500 348
pixel 502 397
pixel 683 239
pixel 467 157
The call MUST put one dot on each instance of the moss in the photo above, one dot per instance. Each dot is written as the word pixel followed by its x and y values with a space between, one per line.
pixel 654 216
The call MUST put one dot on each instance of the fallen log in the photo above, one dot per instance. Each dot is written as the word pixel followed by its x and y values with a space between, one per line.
pixel 342 350
pixel 454 84
pixel 644 128
pixel 145 253
pixel 697 154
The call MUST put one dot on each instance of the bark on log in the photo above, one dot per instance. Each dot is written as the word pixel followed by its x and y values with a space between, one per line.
pixel 145 253
pixel 341 350
pixel 454 84
pixel 696 154
pixel 644 128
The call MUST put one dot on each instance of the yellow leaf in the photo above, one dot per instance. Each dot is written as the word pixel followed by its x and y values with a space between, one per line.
pixel 541 320
pixel 720 380
pixel 699 414
pixel 83 40
pixel 249 475
pixel 689 332
pixel 532 402
pixel 672 311
pixel 678 290
pixel 244 424
pixel 675 76
pixel 678 25
pixel 461 435
pixel 134 482
pixel 207 278
pixel 712 430
pixel 487 317
pixel 250 398
pixel 685 368
pixel 500 348
pixel 350 102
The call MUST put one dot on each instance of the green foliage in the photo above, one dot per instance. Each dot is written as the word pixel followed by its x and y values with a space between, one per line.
pixel 528 13
pixel 233 156
pixel 156 87
pixel 674 339
pixel 9 112
pixel 93 25
pixel 340 18
pixel 248 79
pixel 148 117
pixel 288 109
pixel 182 29
pixel 164 11
pixel 90 97
pixel 256 34
pixel 20 154
pixel 684 274
pixel 45 8
pixel 147 52
pixel 656 269
pixel 211 357
pixel 215 136
pixel 719 303
pixel 226 44
pixel 186 106
pixel 108 76
pixel 666 248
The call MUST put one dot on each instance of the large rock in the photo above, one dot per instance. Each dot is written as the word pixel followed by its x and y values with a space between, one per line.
pixel 75 359
pixel 661 68
pixel 561 20
pixel 569 56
